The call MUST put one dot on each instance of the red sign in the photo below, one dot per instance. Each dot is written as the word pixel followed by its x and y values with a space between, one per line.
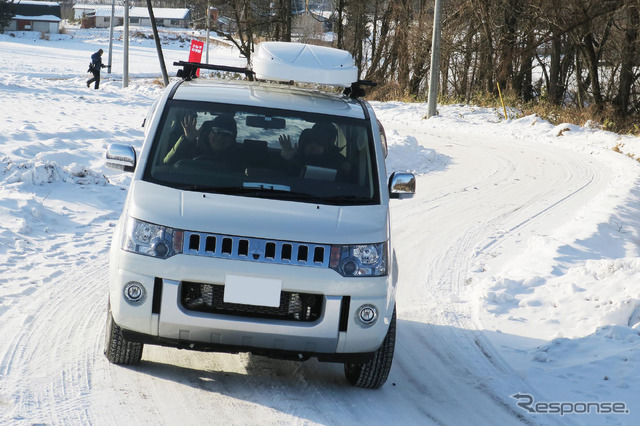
pixel 195 53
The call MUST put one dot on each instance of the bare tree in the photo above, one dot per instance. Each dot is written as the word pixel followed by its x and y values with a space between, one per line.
pixel 248 19
pixel 629 27
pixel 282 20
pixel 586 51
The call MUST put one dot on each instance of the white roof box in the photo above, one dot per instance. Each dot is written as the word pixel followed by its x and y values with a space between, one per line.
pixel 304 63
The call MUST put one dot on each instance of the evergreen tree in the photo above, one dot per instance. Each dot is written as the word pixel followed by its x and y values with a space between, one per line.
pixel 7 12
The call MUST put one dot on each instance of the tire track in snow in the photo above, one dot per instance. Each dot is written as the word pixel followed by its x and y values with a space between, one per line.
pixel 505 193
pixel 591 180
pixel 47 368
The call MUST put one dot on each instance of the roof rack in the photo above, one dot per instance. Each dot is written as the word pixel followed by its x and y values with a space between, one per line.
pixel 356 90
pixel 189 69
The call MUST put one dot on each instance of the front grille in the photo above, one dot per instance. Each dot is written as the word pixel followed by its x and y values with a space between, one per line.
pixel 256 249
pixel 209 298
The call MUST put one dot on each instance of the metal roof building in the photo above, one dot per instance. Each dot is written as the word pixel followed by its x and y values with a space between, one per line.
pixel 99 16
pixel 41 16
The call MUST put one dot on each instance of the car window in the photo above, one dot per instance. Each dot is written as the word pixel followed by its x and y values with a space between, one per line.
pixel 383 138
pixel 266 153
pixel 147 120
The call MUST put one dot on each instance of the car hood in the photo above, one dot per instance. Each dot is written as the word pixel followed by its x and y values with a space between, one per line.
pixel 257 217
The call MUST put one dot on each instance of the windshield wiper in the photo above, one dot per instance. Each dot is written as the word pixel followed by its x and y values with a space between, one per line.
pixel 273 191
pixel 213 189
pixel 280 194
pixel 350 198
pixel 266 186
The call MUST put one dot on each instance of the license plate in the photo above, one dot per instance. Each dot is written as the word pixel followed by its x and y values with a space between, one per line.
pixel 252 290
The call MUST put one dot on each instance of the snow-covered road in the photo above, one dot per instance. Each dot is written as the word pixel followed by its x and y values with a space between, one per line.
pixel 480 193
pixel 485 194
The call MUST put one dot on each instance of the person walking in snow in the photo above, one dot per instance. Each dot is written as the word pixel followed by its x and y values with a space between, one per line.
pixel 94 68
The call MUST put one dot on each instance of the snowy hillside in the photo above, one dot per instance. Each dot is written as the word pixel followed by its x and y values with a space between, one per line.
pixel 518 299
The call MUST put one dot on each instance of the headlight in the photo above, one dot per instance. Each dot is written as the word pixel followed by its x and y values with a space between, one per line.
pixel 362 260
pixel 152 240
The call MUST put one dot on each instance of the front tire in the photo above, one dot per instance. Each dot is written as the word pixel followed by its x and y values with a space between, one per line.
pixel 373 373
pixel 117 349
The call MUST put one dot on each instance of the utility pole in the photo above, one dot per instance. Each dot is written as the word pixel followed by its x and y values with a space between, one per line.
pixel 113 5
pixel 435 60
pixel 163 66
pixel 206 56
pixel 125 47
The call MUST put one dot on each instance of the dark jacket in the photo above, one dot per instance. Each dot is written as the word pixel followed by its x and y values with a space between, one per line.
pixel 330 158
pixel 96 61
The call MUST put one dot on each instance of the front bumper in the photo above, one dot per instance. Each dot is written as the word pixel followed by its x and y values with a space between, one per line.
pixel 160 317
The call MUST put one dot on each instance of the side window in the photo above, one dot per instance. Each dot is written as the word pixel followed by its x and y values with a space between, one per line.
pixel 172 130
pixel 167 136
pixel 383 138
pixel 147 120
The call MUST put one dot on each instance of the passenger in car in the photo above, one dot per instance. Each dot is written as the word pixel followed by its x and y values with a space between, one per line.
pixel 316 147
pixel 215 141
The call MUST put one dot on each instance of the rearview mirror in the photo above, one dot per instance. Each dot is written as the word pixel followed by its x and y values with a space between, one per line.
pixel 265 122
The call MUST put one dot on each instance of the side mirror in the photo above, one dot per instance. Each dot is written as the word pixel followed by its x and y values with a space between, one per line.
pixel 121 157
pixel 402 185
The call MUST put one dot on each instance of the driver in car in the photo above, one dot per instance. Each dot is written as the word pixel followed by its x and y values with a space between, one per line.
pixel 215 141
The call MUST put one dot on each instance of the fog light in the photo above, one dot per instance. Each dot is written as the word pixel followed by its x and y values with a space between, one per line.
pixel 367 315
pixel 134 292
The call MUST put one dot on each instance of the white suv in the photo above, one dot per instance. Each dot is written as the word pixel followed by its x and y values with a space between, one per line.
pixel 257 220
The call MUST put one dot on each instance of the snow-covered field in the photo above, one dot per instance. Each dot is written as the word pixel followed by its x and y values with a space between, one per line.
pixel 519 294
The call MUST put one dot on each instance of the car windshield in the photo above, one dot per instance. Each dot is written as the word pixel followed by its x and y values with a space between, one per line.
pixel 267 153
